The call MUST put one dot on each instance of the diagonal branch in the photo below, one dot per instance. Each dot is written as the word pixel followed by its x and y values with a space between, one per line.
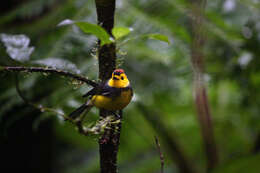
pixel 49 70
pixel 37 106
pixel 95 130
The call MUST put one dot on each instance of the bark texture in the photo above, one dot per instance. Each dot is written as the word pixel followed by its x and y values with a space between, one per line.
pixel 109 142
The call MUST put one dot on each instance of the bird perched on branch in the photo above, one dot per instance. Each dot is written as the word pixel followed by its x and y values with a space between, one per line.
pixel 112 95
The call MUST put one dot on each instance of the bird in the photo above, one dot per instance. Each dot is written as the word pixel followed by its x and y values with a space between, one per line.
pixel 111 95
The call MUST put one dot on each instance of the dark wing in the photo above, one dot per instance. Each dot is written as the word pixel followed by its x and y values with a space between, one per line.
pixel 105 90
pixel 109 91
pixel 94 90
pixel 114 92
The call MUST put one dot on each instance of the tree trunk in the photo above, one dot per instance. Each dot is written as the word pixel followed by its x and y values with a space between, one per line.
pixel 109 142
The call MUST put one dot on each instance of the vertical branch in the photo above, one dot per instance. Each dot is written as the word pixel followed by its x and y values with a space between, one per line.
pixel 107 53
pixel 109 142
pixel 201 99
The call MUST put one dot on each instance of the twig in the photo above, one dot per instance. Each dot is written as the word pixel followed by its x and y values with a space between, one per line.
pixel 46 109
pixel 176 152
pixel 160 152
pixel 40 107
pixel 49 70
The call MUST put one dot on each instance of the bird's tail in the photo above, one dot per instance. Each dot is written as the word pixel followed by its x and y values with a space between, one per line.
pixel 83 108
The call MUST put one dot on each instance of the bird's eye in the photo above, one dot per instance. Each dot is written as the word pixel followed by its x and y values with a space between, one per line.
pixel 122 78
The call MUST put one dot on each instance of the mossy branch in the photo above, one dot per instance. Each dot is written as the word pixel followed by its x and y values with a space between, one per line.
pixel 82 129
pixel 98 129
pixel 49 70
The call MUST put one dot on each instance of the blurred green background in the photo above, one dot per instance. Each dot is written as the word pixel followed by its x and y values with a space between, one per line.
pixel 160 74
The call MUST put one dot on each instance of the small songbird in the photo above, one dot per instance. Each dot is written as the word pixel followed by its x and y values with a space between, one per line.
pixel 112 95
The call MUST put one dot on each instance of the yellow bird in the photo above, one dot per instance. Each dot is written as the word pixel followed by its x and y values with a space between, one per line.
pixel 113 95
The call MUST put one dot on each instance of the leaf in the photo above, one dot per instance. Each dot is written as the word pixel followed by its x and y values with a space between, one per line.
pixel 96 30
pixel 119 32
pixel 90 28
pixel 17 46
pixel 59 64
pixel 159 37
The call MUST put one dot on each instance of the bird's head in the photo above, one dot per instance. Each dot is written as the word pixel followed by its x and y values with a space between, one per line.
pixel 118 79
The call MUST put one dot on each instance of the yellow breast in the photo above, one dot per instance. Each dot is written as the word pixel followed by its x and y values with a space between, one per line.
pixel 112 104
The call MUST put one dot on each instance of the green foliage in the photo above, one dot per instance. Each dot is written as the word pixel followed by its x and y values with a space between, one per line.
pixel 161 76
pixel 90 28
pixel 120 32
pixel 117 32
pixel 96 30
pixel 246 164
pixel 159 37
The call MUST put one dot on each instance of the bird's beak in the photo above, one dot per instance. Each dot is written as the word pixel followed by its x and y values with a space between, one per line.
pixel 115 78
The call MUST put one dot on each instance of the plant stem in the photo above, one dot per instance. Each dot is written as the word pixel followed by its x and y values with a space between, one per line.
pixel 201 98
pixel 160 153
